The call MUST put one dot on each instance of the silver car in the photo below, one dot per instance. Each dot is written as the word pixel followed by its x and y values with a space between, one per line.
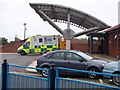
pixel 113 68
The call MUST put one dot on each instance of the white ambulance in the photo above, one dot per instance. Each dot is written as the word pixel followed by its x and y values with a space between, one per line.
pixel 41 44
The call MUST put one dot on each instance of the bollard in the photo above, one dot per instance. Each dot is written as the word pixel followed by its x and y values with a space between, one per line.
pixel 52 77
pixel 4 74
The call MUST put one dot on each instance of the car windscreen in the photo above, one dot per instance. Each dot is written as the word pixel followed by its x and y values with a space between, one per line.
pixel 85 56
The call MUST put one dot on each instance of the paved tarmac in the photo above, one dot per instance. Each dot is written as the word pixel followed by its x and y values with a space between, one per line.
pixel 14 58
pixel 30 60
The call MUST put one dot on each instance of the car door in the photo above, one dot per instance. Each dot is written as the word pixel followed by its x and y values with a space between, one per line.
pixel 58 59
pixel 75 61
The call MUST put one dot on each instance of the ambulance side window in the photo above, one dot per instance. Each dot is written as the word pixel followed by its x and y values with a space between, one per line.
pixel 40 40
pixel 48 40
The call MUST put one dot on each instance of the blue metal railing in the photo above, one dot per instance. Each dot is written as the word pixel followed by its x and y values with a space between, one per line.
pixel 82 71
pixel 78 84
pixel 64 83
pixel 24 81
pixel 16 80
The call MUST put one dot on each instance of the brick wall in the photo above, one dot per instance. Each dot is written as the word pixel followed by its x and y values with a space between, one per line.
pixel 12 47
pixel 81 45
pixel 75 45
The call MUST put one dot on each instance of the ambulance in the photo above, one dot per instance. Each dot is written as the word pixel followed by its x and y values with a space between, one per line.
pixel 41 44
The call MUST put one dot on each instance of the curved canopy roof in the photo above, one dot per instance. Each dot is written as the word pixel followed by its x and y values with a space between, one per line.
pixel 59 13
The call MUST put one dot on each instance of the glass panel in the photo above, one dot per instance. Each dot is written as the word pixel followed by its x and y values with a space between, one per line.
pixel 40 40
pixel 26 45
pixel 72 56
pixel 48 40
pixel 57 56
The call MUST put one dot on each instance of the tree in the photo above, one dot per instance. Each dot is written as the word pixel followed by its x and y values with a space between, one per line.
pixel 3 41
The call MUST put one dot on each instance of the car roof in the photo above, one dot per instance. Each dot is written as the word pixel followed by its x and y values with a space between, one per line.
pixel 65 51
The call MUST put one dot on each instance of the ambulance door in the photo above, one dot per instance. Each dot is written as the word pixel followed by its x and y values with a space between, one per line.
pixel 37 44
pixel 26 47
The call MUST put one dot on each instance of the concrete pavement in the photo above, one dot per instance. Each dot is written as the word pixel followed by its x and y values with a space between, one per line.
pixel 33 64
pixel 105 57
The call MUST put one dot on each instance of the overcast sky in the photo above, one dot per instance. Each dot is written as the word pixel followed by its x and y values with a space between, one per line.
pixel 16 12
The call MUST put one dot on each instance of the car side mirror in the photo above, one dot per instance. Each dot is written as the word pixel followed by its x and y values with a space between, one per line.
pixel 82 60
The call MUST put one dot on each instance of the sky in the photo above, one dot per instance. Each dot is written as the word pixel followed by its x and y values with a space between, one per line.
pixel 14 13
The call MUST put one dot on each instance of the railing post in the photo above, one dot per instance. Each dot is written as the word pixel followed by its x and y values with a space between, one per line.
pixel 52 77
pixel 4 75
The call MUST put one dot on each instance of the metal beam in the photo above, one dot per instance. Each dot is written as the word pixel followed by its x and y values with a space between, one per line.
pixel 84 32
pixel 89 30
pixel 68 24
pixel 50 22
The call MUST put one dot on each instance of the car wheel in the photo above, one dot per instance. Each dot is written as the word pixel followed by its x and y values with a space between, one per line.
pixel 92 75
pixel 23 53
pixel 116 79
pixel 45 71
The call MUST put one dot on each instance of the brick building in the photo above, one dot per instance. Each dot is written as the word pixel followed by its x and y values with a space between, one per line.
pixel 108 41
pixel 113 40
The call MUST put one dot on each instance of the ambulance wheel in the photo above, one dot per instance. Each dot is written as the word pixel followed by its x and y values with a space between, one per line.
pixel 23 53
